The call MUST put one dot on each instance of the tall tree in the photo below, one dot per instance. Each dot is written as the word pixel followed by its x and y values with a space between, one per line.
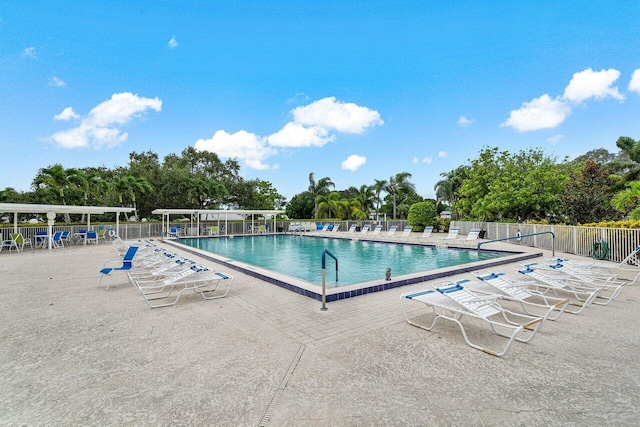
pixel 378 188
pixel 127 187
pixel 58 180
pixel 587 195
pixel 320 188
pixel 399 183
pixel 627 201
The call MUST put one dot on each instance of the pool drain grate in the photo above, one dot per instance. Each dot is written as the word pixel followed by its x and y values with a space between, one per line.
pixel 281 387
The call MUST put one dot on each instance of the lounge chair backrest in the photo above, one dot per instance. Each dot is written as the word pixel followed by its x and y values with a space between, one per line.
pixel 127 260
pixel 407 231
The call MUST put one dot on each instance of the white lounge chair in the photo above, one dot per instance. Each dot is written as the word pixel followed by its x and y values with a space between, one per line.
pixel 512 289
pixel 628 269
pixel 197 278
pixel 453 233
pixel 365 229
pixel 352 229
pixel 610 286
pixel 406 232
pixel 426 233
pixel 445 305
pixel 544 284
pixel 392 231
pixel 472 236
pixel 377 230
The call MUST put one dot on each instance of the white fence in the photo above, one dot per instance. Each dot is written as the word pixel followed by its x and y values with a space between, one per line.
pixel 568 239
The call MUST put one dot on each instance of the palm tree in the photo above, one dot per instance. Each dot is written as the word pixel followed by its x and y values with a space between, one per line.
pixel 318 189
pixel 91 184
pixel 126 186
pixel 378 187
pixel 397 184
pixel 56 179
pixel 332 205
pixel 628 200
pixel 447 189
pixel 364 196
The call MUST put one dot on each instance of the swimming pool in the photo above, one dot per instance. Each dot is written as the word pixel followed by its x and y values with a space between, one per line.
pixel 294 261
pixel 358 260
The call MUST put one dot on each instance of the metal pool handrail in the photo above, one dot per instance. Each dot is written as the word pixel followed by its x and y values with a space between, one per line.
pixel 324 268
pixel 520 236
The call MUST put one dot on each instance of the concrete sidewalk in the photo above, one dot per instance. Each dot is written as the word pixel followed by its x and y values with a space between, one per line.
pixel 72 354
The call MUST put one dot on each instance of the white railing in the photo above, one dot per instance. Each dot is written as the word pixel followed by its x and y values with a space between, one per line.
pixel 568 239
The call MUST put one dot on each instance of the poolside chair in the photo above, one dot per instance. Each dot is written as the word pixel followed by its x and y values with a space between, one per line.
pixel 102 234
pixel 453 233
pixel 512 289
pixel 173 232
pixel 610 286
pixel 65 238
pixel 335 228
pixel 473 235
pixel 324 228
pixel 92 236
pixel 56 240
pixel 365 229
pixel 544 284
pixel 352 229
pixel 17 242
pixel 453 302
pixel 41 239
pixel 197 278
pixel 127 264
pixel 426 233
pixel 392 231
pixel 628 269
pixel 377 229
pixel 407 231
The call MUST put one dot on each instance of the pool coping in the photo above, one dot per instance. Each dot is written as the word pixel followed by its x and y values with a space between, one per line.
pixel 311 290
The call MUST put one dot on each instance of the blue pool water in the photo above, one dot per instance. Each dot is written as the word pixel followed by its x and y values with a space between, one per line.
pixel 358 261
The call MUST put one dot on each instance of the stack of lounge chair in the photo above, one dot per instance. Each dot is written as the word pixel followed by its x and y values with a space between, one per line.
pixel 161 277
pixel 515 306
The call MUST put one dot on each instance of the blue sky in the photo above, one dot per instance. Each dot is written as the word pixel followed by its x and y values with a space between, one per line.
pixel 352 90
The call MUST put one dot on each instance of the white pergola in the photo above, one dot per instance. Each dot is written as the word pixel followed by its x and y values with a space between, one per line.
pixel 217 213
pixel 52 210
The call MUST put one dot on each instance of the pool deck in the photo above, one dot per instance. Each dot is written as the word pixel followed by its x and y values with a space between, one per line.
pixel 72 354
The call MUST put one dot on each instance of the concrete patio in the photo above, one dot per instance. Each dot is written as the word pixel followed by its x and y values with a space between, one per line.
pixel 72 354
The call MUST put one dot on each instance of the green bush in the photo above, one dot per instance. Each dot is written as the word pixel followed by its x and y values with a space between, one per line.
pixel 421 215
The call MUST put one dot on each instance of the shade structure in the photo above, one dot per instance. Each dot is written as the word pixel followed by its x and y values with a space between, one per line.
pixel 53 210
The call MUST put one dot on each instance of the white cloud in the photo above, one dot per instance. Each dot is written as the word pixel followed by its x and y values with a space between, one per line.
pixel 172 43
pixel 426 160
pixel 97 127
pixel 442 154
pixel 593 84
pixel 66 114
pixel 310 128
pixel 540 113
pixel 556 138
pixel 246 146
pixel 464 121
pixel 295 135
pixel 55 81
pixel 31 52
pixel 353 162
pixel 331 114
pixel 634 84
